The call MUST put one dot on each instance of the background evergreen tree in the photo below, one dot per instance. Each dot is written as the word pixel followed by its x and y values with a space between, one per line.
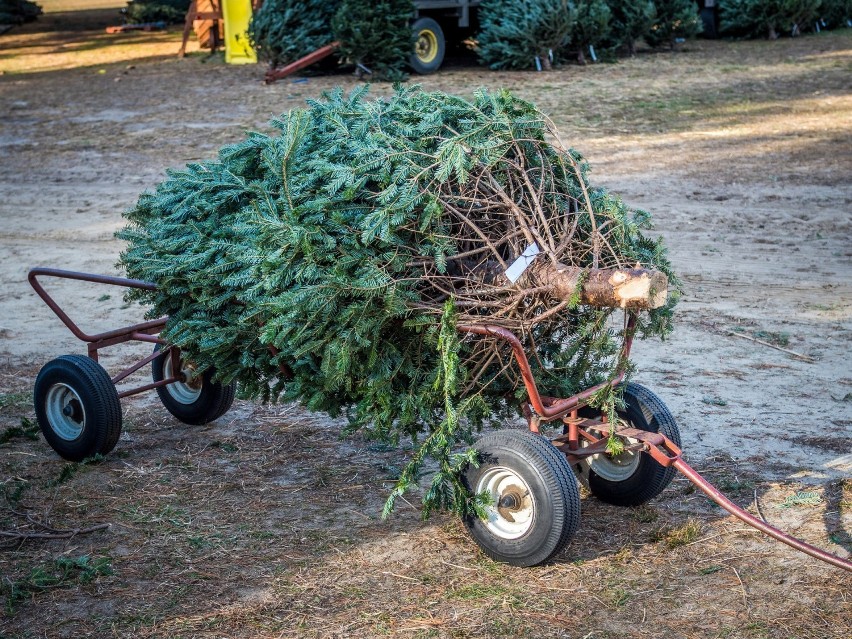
pixel 168 11
pixel 676 19
pixel 283 31
pixel 592 26
pixel 513 33
pixel 767 18
pixel 836 13
pixel 342 249
pixel 376 34
pixel 18 11
pixel 631 21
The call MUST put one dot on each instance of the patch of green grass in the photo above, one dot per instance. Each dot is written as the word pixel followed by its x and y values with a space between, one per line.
pixel 477 591
pixel 644 514
pixel 64 572
pixel 710 570
pixel 714 401
pixel 676 536
pixel 14 399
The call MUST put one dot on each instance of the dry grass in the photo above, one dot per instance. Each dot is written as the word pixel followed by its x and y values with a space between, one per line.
pixel 265 524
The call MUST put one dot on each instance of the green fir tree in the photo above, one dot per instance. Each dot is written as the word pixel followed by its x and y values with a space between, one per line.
pixel 631 21
pixel 524 34
pixel 376 35
pixel 283 31
pixel 768 18
pixel 329 264
pixel 676 20
pixel 836 14
pixel 591 28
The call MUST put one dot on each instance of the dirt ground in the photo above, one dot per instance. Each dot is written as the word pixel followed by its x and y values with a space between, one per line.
pixel 266 523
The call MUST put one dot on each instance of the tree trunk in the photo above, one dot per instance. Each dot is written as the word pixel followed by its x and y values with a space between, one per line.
pixel 633 288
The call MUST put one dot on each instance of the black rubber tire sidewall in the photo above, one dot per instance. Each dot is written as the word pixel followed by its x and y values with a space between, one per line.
pixel 424 68
pixel 645 411
pixel 102 427
pixel 552 487
pixel 214 400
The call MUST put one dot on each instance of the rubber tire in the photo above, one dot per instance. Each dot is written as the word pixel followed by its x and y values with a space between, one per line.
pixel 101 407
pixel 645 411
pixel 419 66
pixel 214 400
pixel 556 497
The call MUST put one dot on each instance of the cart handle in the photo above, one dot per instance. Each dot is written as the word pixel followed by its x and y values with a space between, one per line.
pixel 140 331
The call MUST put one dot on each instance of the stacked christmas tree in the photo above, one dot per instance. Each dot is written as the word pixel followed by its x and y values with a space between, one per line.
pixel 331 263
pixel 374 36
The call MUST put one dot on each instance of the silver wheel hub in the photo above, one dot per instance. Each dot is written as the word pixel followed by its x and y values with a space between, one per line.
pixel 65 412
pixel 187 391
pixel 615 468
pixel 512 510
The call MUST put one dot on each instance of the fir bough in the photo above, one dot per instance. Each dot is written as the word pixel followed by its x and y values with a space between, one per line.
pixel 521 34
pixel 348 247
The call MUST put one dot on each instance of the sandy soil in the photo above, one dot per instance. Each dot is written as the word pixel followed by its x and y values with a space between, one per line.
pixel 742 152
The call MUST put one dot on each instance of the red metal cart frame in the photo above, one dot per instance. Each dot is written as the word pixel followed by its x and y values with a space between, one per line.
pixel 577 443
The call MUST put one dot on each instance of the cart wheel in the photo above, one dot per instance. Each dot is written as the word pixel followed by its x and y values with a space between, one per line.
pixel 429 46
pixel 77 407
pixel 535 507
pixel 198 399
pixel 631 478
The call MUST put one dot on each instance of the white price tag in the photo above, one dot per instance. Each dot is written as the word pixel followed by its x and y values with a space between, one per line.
pixel 517 268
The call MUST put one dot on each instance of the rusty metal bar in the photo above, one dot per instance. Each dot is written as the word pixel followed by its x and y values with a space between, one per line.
pixel 123 334
pixel 667 453
pixel 127 372
pixel 315 56
pixel 713 493
pixel 147 387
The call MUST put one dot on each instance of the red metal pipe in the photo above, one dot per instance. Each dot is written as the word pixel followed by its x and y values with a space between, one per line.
pixel 312 58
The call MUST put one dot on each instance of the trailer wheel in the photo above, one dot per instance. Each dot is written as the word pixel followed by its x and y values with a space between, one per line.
pixel 631 478
pixel 196 400
pixel 429 46
pixel 535 508
pixel 77 407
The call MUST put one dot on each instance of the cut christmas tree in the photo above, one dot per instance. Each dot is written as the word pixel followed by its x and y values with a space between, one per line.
pixel 631 21
pixel 376 36
pixel 283 31
pixel 676 20
pixel 524 34
pixel 331 263
pixel 768 18
pixel 591 28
